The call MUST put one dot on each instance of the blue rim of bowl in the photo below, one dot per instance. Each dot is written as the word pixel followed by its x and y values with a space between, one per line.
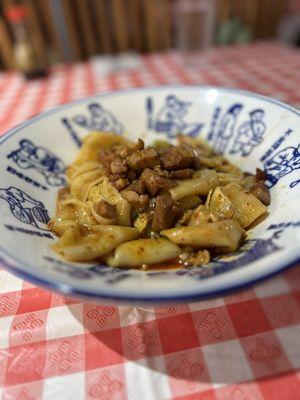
pixel 67 289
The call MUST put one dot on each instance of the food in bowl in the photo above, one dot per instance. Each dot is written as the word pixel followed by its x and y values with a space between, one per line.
pixel 134 206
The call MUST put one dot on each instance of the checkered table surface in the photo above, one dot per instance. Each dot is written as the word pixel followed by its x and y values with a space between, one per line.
pixel 245 346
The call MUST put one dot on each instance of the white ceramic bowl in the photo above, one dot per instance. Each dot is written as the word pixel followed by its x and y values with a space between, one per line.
pixel 251 130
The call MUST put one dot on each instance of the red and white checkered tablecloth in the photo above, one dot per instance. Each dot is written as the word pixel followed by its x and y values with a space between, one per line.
pixel 245 346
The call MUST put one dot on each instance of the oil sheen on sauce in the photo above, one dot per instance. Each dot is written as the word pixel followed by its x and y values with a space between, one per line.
pixel 165 266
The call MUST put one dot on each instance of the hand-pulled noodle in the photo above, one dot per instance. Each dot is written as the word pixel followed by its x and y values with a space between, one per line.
pixel 143 251
pixel 247 207
pixel 223 235
pixel 131 206
pixel 111 195
pixel 100 240
pixel 201 185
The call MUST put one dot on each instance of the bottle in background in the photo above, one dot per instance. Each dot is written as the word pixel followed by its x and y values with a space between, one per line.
pixel 26 56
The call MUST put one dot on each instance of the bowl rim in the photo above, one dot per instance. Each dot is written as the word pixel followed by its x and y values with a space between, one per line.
pixel 69 290
pixel 112 295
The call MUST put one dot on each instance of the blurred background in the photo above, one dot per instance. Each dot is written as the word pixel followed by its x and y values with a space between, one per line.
pixel 44 32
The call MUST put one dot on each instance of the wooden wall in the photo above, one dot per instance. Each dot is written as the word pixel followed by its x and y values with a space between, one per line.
pixel 111 26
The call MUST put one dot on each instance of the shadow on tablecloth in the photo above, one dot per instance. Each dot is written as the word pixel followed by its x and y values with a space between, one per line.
pixel 246 336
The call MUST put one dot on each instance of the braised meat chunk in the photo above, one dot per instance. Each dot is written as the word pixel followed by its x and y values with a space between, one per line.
pixel 182 173
pixel 166 211
pixel 260 191
pixel 259 188
pixel 106 210
pixel 154 181
pixel 138 186
pixel 126 151
pixel 142 159
pixel 119 182
pixel 139 202
pixel 260 175
pixel 118 166
pixel 176 158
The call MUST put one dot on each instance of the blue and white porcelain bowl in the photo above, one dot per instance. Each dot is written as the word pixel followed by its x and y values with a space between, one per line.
pixel 251 130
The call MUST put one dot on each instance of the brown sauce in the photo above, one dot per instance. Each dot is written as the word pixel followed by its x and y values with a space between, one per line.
pixel 165 266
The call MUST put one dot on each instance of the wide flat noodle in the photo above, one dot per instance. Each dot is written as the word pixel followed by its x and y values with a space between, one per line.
pixel 224 235
pixel 247 207
pixel 143 251
pixel 201 185
pixel 74 245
